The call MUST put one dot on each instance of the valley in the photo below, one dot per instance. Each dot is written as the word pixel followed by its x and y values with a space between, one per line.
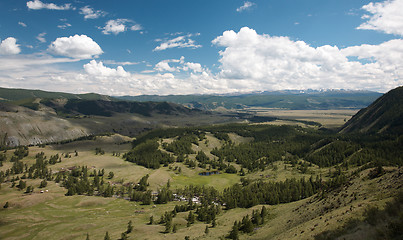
pixel 201 120
pixel 278 174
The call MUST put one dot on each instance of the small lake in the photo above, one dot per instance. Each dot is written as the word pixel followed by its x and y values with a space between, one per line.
pixel 209 173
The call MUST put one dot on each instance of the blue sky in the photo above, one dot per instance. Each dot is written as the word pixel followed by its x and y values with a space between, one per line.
pixel 132 47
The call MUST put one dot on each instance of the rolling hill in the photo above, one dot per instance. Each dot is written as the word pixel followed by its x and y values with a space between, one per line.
pixel 30 117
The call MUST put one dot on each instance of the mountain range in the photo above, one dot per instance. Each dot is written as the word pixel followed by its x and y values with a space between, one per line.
pixel 29 117
pixel 288 99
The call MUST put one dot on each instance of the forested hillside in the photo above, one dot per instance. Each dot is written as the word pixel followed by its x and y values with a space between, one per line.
pixel 385 115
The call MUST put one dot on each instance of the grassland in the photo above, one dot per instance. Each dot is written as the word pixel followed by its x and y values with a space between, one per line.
pixel 52 215
pixel 327 118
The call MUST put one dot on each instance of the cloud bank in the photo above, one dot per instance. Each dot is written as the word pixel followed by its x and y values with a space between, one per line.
pixel 37 5
pixel 251 61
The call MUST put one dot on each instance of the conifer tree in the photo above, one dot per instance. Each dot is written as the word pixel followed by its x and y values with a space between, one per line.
pixel 214 224
pixel 234 234
pixel 191 218
pixel 263 213
pixel 107 236
pixel 129 227
pixel 168 225
pixel 123 236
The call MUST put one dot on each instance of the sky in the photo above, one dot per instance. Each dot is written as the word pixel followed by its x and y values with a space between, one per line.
pixel 162 47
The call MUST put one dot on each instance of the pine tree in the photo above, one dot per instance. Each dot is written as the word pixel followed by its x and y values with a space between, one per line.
pixel 29 189
pixel 88 237
pixel 43 184
pixel 22 185
pixel 6 205
pixel 107 236
pixel 129 227
pixel 263 213
pixel 151 220
pixel 206 231
pixel 214 224
pixel 234 234
pixel 123 236
pixel 191 218
pixel 168 225
pixel 175 228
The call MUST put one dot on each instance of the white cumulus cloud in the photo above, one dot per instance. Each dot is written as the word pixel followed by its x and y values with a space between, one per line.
pixel 120 25
pixel 384 16
pixel 90 13
pixel 98 69
pixel 246 5
pixel 164 66
pixel 37 5
pixel 252 61
pixel 77 46
pixel 9 46
pixel 179 65
pixel 183 41
pixel 195 67
pixel 389 53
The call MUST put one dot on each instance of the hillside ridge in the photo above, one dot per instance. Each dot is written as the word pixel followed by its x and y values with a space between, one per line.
pixel 384 115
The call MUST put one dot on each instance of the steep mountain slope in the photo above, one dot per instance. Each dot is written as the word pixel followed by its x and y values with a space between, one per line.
pixel 385 115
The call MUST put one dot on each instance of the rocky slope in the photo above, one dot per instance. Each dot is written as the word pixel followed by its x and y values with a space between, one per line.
pixel 23 126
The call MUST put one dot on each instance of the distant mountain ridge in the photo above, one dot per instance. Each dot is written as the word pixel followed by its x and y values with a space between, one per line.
pixel 284 99
pixel 109 108
pixel 16 94
pixel 385 115
pixel 287 99
pixel 30 117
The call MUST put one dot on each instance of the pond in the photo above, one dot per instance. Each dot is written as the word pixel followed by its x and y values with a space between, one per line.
pixel 209 173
